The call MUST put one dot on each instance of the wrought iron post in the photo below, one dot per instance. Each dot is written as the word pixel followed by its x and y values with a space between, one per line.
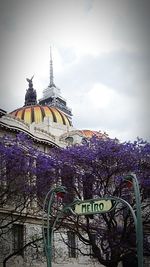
pixel 48 241
pixel 139 231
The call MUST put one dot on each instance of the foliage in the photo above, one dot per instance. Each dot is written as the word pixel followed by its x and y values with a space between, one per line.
pixel 96 169
pixel 93 169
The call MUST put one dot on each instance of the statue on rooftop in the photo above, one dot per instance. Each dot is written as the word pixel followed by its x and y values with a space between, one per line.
pixel 30 81
pixel 30 96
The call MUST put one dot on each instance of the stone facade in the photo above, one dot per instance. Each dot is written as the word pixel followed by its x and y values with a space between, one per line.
pixel 35 256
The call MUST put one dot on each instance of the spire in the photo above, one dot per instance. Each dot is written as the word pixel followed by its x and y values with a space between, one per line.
pixel 52 96
pixel 51 70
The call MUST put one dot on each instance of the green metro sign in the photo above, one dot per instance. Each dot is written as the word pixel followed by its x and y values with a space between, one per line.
pixel 93 206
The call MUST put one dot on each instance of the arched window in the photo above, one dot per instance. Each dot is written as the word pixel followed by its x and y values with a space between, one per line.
pixel 69 140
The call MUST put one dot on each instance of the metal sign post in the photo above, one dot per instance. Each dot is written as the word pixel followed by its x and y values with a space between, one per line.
pixel 93 206
pixel 47 208
pixel 139 230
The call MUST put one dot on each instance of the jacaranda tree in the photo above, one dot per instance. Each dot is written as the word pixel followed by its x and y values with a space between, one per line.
pixel 93 169
pixel 97 169
pixel 22 170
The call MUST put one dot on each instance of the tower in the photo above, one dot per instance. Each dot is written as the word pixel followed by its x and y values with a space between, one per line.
pixel 52 95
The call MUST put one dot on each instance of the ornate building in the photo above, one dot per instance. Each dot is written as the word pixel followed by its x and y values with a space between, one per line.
pixel 48 122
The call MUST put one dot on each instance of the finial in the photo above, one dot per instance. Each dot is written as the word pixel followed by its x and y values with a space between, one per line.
pixel 51 70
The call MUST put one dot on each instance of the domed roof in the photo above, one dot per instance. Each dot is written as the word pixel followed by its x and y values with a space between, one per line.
pixel 36 113
pixel 90 133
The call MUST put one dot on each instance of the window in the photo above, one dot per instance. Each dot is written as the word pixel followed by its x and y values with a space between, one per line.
pixel 146 193
pixel 88 190
pixel 71 244
pixel 93 237
pixel 45 240
pixel 84 141
pixel 18 238
pixel 69 140
pixel 68 182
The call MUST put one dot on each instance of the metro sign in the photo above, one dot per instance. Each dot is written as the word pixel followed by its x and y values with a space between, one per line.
pixel 93 206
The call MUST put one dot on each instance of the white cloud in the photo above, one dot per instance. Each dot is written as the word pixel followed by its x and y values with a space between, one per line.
pixel 105 109
pixel 101 96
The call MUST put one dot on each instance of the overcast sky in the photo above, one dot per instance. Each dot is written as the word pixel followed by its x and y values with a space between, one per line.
pixel 101 59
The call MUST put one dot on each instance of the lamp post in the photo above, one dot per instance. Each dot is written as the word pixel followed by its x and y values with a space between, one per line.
pixel 139 229
pixel 48 201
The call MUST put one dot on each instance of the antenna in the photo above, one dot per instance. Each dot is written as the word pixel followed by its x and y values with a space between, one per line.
pixel 51 70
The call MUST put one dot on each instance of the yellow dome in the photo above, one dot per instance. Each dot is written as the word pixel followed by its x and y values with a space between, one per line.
pixel 36 113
